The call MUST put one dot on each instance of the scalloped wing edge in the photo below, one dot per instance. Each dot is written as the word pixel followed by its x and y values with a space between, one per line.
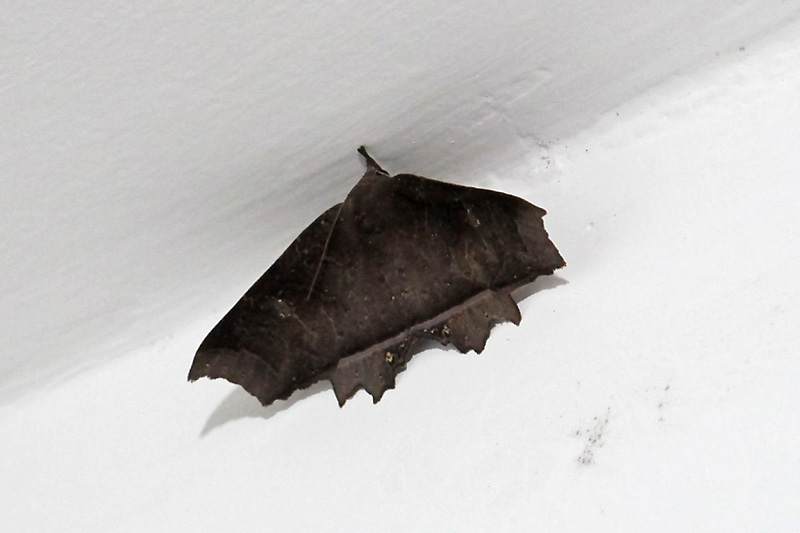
pixel 466 327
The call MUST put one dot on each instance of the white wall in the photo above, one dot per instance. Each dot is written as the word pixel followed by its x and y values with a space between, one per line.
pixel 155 159
pixel 656 390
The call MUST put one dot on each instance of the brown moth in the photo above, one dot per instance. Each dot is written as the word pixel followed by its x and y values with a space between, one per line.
pixel 401 258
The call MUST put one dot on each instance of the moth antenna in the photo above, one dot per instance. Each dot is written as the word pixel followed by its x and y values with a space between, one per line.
pixel 324 252
pixel 371 163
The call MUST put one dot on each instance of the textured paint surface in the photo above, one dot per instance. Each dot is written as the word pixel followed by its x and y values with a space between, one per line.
pixel 655 391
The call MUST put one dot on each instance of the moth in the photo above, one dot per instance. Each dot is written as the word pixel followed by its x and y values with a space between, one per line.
pixel 402 258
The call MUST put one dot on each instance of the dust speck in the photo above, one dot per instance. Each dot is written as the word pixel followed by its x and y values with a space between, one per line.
pixel 594 438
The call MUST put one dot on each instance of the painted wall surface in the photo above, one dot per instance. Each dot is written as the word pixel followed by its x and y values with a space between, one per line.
pixel 654 388
pixel 155 158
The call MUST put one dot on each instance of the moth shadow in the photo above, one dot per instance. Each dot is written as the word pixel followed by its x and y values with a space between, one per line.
pixel 240 404
pixel 542 283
